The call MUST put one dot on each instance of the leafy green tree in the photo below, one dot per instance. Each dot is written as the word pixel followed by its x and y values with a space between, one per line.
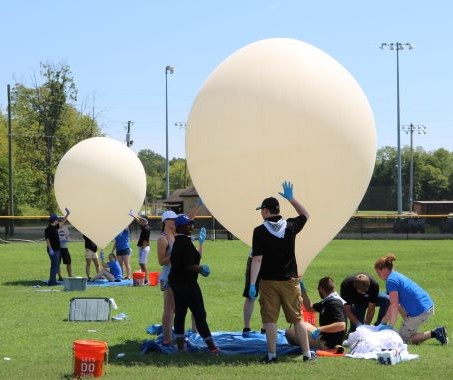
pixel 154 165
pixel 179 176
pixel 45 125
pixel 23 190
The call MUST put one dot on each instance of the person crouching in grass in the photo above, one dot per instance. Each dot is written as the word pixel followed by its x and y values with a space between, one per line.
pixel 111 270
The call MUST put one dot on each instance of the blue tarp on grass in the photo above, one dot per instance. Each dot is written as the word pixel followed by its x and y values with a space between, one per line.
pixel 232 343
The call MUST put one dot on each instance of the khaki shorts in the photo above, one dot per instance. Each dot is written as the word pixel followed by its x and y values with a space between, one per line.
pixel 411 324
pixel 284 294
pixel 89 254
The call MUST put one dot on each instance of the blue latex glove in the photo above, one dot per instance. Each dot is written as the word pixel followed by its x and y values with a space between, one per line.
pixel 204 270
pixel 287 190
pixel 252 292
pixel 67 212
pixel 101 255
pixel 316 334
pixel 202 236
pixel 384 326
pixel 131 213
pixel 302 285
pixel 51 252
pixel 200 202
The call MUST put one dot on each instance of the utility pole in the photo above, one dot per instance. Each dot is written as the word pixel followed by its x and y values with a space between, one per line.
pixel 420 129
pixel 10 165
pixel 129 142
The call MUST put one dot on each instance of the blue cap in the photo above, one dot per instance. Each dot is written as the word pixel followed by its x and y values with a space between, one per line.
pixel 183 220
pixel 53 217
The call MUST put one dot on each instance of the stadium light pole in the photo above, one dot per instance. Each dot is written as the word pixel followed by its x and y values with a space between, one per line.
pixel 411 128
pixel 397 46
pixel 171 70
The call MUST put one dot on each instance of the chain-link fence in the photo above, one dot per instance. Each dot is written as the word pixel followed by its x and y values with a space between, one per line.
pixel 398 227
pixel 31 229
pixel 27 228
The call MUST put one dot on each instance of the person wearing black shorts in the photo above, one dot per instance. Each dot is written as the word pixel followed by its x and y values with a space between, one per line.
pixel 249 303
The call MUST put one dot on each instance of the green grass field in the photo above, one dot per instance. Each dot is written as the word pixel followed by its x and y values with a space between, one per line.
pixel 35 333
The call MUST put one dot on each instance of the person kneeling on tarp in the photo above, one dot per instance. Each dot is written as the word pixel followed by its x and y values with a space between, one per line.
pixel 112 270
pixel 332 318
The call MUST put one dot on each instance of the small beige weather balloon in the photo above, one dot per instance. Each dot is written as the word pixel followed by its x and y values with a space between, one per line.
pixel 281 109
pixel 100 180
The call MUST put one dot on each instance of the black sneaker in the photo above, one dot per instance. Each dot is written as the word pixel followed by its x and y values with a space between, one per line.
pixel 266 360
pixel 60 278
pixel 441 335
pixel 246 332
pixel 263 331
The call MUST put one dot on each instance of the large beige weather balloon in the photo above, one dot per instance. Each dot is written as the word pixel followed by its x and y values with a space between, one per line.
pixel 100 180
pixel 275 110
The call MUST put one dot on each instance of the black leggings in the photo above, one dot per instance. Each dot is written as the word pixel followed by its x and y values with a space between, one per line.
pixel 188 296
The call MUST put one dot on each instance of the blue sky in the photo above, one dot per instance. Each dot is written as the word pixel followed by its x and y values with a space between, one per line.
pixel 118 51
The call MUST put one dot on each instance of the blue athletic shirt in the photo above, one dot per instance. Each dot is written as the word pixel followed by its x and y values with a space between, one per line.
pixel 411 296
pixel 122 240
pixel 115 270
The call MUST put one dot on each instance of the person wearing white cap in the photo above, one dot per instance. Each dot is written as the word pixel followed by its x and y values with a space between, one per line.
pixel 164 247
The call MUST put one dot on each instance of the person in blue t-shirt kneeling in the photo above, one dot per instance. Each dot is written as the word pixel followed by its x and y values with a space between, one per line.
pixel 411 300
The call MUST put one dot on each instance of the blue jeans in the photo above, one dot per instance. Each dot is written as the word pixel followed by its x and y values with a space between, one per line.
pixel 359 309
pixel 54 267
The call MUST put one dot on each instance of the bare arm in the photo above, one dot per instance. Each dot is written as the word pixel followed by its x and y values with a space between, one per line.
pixel 195 209
pixel 392 312
pixel 306 299
pixel 351 316
pixel 255 268
pixel 370 313
pixel 162 245
pixel 301 210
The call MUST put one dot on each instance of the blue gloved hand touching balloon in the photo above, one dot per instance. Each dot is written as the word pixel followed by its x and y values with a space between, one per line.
pixel 205 271
pixel 287 190
pixel 202 235
pixel 252 291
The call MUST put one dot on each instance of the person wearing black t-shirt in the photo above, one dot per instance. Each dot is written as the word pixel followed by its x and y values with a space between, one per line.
pixel 274 258
pixel 361 293
pixel 185 266
pixel 53 248
pixel 332 318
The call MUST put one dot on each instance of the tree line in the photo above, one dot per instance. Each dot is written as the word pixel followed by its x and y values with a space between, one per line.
pixel 432 177
pixel 46 124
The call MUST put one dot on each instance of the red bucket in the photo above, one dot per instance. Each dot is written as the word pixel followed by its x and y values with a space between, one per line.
pixel 89 358
pixel 153 278
pixel 138 278
pixel 309 316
